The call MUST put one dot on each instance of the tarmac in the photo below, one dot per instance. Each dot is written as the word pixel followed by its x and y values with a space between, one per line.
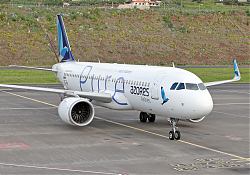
pixel 34 140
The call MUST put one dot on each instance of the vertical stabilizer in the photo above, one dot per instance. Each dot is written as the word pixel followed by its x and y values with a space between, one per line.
pixel 65 54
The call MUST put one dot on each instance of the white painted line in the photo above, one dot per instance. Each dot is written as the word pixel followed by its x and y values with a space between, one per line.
pixel 235 91
pixel 230 114
pixel 233 104
pixel 61 169
pixel 5 89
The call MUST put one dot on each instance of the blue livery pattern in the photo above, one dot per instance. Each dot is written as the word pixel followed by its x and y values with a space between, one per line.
pixel 65 54
pixel 165 100
pixel 236 71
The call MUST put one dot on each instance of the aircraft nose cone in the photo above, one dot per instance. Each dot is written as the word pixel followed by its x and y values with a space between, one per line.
pixel 205 105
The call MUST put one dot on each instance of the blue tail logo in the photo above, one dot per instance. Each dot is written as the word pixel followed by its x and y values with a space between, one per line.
pixel 236 70
pixel 165 100
pixel 65 54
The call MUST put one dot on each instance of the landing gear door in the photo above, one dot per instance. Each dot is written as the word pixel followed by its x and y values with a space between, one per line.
pixel 155 91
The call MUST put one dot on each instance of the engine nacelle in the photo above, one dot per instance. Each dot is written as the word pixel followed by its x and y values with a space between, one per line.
pixel 76 111
pixel 196 120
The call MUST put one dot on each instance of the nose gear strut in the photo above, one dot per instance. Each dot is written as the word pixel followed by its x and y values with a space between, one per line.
pixel 174 134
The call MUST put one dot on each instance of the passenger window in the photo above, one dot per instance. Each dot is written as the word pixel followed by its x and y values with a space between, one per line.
pixel 181 86
pixel 202 86
pixel 191 86
pixel 174 86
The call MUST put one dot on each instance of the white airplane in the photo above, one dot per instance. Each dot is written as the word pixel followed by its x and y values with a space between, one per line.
pixel 171 92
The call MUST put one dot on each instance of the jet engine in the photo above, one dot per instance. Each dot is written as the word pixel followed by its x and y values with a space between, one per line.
pixel 76 111
pixel 196 120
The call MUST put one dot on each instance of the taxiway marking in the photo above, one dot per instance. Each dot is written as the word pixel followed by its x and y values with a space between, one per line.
pixel 233 104
pixel 234 91
pixel 142 130
pixel 61 169
pixel 25 108
pixel 230 114
pixel 30 99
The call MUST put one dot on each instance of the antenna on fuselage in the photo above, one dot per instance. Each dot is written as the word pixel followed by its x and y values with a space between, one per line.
pixel 173 65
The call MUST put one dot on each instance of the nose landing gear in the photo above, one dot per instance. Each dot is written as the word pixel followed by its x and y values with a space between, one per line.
pixel 174 134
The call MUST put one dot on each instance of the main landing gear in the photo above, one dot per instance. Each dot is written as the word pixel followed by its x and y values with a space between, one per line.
pixel 174 134
pixel 146 116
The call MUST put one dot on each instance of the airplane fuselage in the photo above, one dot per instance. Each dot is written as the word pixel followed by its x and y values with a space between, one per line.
pixel 142 88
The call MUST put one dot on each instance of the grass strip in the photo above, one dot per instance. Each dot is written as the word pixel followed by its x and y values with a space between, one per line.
pixel 219 74
pixel 44 77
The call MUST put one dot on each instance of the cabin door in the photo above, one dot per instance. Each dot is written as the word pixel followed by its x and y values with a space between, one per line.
pixel 155 91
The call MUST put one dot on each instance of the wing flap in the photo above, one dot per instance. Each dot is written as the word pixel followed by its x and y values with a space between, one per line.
pixel 102 97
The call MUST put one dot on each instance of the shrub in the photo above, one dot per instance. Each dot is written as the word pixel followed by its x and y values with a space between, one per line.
pixel 96 11
pixel 74 17
pixel 2 16
pixel 85 14
pixel 94 19
pixel 36 15
pixel 48 17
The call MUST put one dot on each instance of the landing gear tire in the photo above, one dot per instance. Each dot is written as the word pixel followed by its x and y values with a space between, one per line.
pixel 151 118
pixel 177 135
pixel 171 135
pixel 143 117
pixel 174 134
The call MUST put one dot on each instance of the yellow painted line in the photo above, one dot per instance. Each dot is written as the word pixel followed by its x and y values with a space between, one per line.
pixel 131 127
pixel 210 149
pixel 142 130
pixel 30 99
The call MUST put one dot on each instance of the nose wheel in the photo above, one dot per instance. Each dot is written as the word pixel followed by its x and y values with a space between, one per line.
pixel 174 134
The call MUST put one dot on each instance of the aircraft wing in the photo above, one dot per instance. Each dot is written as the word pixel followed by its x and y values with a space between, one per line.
pixel 102 97
pixel 35 68
pixel 236 77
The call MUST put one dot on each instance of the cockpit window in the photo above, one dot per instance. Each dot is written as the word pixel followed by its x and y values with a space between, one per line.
pixel 181 86
pixel 202 86
pixel 174 86
pixel 191 86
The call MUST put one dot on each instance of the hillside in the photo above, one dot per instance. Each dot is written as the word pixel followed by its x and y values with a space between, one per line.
pixel 128 36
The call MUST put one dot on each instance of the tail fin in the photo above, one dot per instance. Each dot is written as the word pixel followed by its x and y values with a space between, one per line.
pixel 65 54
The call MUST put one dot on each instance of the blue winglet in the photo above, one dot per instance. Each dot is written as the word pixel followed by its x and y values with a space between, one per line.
pixel 65 54
pixel 236 70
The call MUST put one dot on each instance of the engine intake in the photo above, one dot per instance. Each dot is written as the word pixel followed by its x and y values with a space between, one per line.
pixel 196 120
pixel 76 111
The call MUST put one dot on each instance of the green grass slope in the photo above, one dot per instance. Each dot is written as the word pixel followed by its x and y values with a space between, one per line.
pixel 128 36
